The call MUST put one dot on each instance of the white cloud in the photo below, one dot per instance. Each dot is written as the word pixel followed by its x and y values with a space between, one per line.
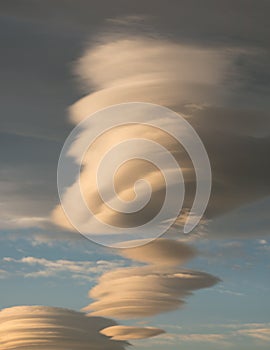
pixel 174 339
pixel 262 334
pixel 85 270
pixel 226 334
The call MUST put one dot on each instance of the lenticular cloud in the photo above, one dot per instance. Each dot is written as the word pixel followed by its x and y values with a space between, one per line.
pixel 46 328
pixel 140 292
pixel 161 286
pixel 129 333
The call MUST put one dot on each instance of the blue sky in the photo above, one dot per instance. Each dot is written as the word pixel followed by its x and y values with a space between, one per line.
pixel 238 301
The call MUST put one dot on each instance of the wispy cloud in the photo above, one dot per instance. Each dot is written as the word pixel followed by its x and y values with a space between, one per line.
pixel 222 334
pixel 262 334
pixel 85 270
pixel 172 340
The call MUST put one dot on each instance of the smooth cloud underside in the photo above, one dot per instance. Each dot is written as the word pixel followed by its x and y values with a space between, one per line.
pixel 129 332
pixel 160 252
pixel 44 328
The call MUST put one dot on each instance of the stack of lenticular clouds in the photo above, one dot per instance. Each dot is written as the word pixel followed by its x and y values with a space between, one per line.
pixel 201 83
pixel 46 328
pixel 161 286
pixel 148 70
pixel 127 293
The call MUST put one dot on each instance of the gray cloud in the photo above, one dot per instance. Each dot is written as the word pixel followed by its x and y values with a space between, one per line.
pixel 248 23
pixel 38 111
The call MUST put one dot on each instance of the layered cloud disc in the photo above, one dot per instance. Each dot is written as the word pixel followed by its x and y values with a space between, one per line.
pixel 149 70
pixel 128 166
pixel 142 291
pixel 199 82
pixel 164 252
pixel 131 333
pixel 46 328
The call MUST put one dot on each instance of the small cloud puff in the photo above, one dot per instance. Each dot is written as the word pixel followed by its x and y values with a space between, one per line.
pixel 131 333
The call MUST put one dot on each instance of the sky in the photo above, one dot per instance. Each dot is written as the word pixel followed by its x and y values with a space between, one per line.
pixel 67 280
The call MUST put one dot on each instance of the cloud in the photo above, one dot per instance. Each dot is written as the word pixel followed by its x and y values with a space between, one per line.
pixel 229 334
pixel 262 334
pixel 84 270
pixel 160 252
pixel 19 196
pixel 12 222
pixel 198 82
pixel 248 221
pixel 37 236
pixel 148 70
pixel 127 175
pixel 44 328
pixel 211 28
pixel 38 116
pixel 174 339
pixel 196 337
pixel 3 274
pixel 130 333
pixel 122 293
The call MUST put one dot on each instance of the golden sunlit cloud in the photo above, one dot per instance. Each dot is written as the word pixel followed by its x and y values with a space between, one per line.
pixel 161 252
pixel 46 328
pixel 142 291
pixel 148 70
pixel 129 332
